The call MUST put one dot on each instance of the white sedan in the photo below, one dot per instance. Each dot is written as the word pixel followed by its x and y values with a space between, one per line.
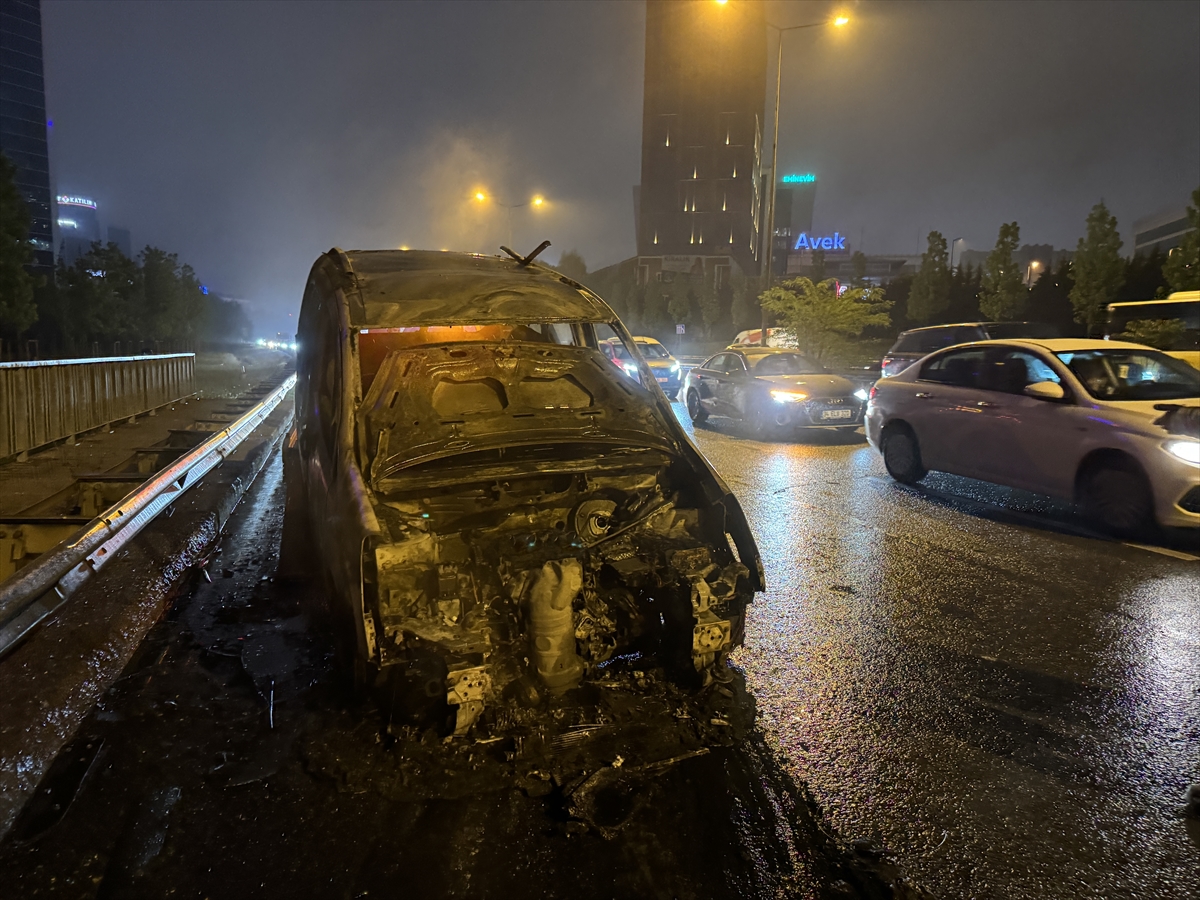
pixel 1110 425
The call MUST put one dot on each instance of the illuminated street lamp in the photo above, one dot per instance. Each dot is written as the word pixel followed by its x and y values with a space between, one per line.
pixel 837 22
pixel 1033 266
pixel 952 243
pixel 537 201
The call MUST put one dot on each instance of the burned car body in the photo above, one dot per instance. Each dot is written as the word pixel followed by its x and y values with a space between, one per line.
pixel 502 513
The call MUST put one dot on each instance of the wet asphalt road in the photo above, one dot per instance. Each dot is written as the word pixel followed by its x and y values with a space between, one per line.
pixel 1007 701
pixel 229 761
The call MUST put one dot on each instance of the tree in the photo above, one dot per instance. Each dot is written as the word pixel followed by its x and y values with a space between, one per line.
pixel 1144 277
pixel 1050 297
pixel 818 265
pixel 1098 268
pixel 572 265
pixel 679 300
pixel 858 269
pixel 17 309
pixel 1003 294
pixel 1182 268
pixel 930 294
pixel 744 308
pixel 965 286
pixel 1161 333
pixel 822 321
pixel 710 304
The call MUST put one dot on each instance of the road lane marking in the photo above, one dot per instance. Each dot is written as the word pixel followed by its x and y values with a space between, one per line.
pixel 1165 551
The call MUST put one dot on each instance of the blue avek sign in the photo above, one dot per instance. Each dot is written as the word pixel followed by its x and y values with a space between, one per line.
pixel 834 242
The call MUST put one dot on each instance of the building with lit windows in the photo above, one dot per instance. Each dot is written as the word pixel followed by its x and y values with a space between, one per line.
pixel 23 119
pixel 78 222
pixel 699 204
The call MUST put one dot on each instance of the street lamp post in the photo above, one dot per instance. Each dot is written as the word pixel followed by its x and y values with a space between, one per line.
pixel 537 201
pixel 952 245
pixel 770 251
pixel 1033 266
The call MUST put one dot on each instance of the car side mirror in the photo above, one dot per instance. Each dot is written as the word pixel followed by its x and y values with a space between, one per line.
pixel 1045 390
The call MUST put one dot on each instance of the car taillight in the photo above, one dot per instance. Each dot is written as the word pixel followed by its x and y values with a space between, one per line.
pixel 885 366
pixel 874 391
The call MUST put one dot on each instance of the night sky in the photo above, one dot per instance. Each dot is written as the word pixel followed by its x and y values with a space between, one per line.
pixel 250 137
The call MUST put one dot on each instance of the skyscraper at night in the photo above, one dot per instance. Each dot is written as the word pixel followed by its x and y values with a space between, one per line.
pixel 702 118
pixel 23 118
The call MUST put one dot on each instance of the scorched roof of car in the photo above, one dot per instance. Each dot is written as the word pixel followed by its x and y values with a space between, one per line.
pixel 425 287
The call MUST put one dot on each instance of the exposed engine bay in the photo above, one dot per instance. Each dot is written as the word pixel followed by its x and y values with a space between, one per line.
pixel 497 592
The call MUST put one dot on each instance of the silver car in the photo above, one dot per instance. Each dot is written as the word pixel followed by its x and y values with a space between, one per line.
pixel 1110 425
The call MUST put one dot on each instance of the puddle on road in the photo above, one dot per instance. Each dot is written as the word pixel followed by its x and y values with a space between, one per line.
pixel 230 760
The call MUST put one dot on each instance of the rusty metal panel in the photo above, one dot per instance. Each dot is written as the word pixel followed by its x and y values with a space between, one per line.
pixel 48 400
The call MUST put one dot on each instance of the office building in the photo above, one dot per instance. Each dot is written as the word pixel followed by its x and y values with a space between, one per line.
pixel 699 203
pixel 122 238
pixel 78 221
pixel 1162 231
pixel 795 197
pixel 23 119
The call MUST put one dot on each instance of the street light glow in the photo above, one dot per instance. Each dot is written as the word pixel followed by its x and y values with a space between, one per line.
pixel 480 196
pixel 538 200
pixel 840 21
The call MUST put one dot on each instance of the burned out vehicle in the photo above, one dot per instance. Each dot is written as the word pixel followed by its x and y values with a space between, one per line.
pixel 504 516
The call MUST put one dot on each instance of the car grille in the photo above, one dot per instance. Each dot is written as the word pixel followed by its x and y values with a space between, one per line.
pixel 1190 502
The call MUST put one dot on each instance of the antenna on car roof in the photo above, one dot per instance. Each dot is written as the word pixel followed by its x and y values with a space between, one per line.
pixel 526 260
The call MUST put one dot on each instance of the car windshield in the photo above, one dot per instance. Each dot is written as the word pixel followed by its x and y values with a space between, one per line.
pixel 618 350
pixel 1132 374
pixel 653 351
pixel 786 364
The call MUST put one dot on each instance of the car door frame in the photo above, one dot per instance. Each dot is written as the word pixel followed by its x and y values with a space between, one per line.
pixel 704 379
pixel 728 383
pixel 937 415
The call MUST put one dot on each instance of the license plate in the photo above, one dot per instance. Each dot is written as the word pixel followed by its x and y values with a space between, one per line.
pixel 662 380
pixel 838 414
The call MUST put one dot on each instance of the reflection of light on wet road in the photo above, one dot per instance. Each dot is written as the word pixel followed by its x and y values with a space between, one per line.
pixel 965 672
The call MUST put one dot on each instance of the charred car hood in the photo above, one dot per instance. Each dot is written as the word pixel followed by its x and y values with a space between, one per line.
pixel 437 401
pixel 821 385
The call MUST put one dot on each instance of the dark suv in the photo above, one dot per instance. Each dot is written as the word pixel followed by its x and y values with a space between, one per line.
pixel 918 342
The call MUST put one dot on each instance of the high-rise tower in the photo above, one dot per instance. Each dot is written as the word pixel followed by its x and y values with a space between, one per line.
pixel 23 118
pixel 702 118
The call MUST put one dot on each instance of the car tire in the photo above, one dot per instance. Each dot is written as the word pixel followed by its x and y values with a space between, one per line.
pixel 763 426
pixel 1117 497
pixel 696 412
pixel 902 455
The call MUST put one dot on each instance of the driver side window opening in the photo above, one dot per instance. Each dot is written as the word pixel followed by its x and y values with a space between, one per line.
pixel 962 368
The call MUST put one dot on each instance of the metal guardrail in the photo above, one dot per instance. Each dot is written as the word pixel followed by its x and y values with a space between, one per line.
pixel 48 400
pixel 40 588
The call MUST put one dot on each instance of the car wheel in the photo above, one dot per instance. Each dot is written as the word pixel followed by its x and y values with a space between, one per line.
pixel 1117 496
pixel 695 411
pixel 902 455
pixel 766 426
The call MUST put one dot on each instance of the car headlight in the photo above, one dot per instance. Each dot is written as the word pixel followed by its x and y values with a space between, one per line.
pixel 861 394
pixel 674 367
pixel 788 396
pixel 1188 451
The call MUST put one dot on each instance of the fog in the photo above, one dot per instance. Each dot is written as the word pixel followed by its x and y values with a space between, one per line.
pixel 250 137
